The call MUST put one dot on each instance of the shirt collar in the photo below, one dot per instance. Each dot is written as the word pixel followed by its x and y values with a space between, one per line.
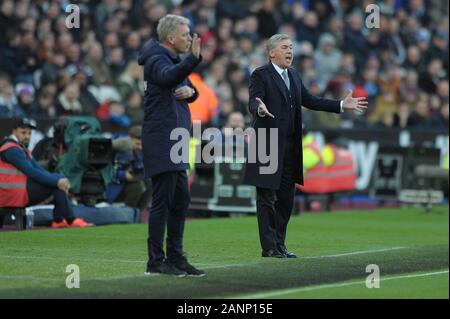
pixel 13 137
pixel 279 70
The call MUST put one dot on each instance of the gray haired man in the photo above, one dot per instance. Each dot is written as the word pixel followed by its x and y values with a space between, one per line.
pixel 276 96
pixel 167 94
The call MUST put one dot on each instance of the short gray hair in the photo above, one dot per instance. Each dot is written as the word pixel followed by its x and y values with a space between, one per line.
pixel 167 25
pixel 275 39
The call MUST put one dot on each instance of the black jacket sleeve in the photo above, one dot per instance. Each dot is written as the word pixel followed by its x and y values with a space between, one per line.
pixel 167 74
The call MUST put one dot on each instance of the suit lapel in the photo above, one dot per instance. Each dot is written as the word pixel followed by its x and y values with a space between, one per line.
pixel 279 82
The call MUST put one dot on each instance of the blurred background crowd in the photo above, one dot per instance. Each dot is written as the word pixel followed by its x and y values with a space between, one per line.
pixel 48 70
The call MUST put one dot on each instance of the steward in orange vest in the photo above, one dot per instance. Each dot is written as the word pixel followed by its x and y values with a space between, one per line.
pixel 13 183
pixel 23 182
pixel 328 170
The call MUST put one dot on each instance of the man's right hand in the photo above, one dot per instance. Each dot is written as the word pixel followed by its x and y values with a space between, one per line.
pixel 262 109
pixel 195 46
pixel 64 184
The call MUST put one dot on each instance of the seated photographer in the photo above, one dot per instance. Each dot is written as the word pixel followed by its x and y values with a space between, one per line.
pixel 129 186
pixel 23 182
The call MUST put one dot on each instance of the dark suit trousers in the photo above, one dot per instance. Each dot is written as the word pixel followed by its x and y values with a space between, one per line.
pixel 274 207
pixel 37 193
pixel 170 201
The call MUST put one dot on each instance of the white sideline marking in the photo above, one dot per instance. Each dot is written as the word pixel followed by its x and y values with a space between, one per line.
pixel 276 293
pixel 205 264
pixel 355 253
pixel 6 277
pixel 74 257
pixel 209 266
pixel 128 261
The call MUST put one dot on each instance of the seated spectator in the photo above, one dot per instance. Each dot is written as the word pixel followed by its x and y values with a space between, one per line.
pixel 386 120
pixel 44 106
pixel 134 108
pixel 225 109
pixel 420 117
pixel 25 97
pixel 327 59
pixel 429 79
pixel 101 74
pixel 385 103
pixel 117 114
pixel 131 79
pixel 4 81
pixel 414 60
pixel 129 185
pixel 401 116
pixel 9 106
pixel 68 101
pixel 46 48
pixel 390 80
pixel 132 46
pixel 443 90
pixel 370 84
pixel 23 182
pixel 87 99
pixel 439 120
pixel 116 62
pixel 50 70
pixel 113 111
pixel 409 89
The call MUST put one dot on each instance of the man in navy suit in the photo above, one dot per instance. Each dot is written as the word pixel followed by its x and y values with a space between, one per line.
pixel 276 96
pixel 167 94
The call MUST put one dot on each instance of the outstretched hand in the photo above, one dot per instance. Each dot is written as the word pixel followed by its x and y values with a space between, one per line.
pixel 262 109
pixel 357 104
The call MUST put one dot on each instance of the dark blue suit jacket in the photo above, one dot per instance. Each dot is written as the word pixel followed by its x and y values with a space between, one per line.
pixel 267 84
pixel 164 72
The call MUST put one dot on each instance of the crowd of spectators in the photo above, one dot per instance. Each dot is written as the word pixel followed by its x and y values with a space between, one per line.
pixel 48 69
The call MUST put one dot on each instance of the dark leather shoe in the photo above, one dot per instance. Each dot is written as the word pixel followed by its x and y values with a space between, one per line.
pixel 287 253
pixel 272 253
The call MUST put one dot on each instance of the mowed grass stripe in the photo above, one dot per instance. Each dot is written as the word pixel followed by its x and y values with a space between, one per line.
pixel 205 265
pixel 227 241
pixel 284 292
pixel 269 275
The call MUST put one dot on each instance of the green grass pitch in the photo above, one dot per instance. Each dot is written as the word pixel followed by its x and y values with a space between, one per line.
pixel 409 246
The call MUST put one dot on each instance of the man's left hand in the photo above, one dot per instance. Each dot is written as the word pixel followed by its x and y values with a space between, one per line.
pixel 184 92
pixel 357 104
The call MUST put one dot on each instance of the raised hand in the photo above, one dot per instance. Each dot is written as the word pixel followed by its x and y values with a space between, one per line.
pixel 195 46
pixel 357 104
pixel 262 109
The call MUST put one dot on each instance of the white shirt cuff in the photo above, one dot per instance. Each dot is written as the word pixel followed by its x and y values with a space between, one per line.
pixel 342 106
pixel 259 113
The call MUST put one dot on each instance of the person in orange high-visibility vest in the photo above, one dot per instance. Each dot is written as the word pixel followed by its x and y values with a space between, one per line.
pixel 327 170
pixel 23 182
pixel 311 153
pixel 204 108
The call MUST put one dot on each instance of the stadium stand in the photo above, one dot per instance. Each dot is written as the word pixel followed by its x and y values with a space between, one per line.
pixel 48 69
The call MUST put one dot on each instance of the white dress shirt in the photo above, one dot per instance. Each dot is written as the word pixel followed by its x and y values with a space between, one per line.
pixel 280 71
